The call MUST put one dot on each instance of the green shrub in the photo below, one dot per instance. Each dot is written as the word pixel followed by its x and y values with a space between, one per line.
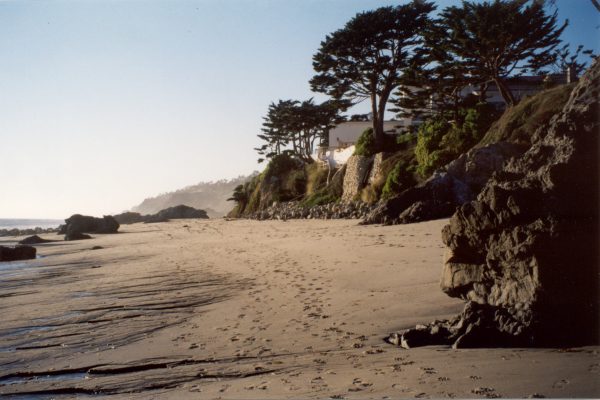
pixel 316 178
pixel 280 165
pixel 320 197
pixel 405 139
pixel 440 141
pixel 365 145
pixel 429 138
pixel 399 179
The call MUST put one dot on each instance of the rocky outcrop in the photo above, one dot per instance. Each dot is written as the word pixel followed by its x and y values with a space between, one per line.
pixel 451 186
pixel 129 218
pixel 525 254
pixel 295 210
pixel 85 224
pixel 177 212
pixel 376 167
pixel 35 239
pixel 355 178
pixel 17 253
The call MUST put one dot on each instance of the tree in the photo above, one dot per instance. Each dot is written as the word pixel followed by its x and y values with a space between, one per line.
pixel 274 130
pixel 501 38
pixel 572 62
pixel 367 58
pixel 299 125
pixel 433 87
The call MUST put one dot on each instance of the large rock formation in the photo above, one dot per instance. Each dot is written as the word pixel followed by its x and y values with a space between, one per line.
pixel 376 167
pixel 525 254
pixel 357 170
pixel 17 253
pixel 85 224
pixel 177 212
pixel 449 187
pixel 129 218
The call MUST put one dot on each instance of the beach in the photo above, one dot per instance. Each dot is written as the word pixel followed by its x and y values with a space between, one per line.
pixel 254 309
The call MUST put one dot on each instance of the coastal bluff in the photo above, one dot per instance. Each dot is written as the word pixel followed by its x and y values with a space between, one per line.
pixel 524 255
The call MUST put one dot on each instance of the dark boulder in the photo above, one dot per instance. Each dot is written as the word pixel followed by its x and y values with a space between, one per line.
pixel 181 211
pixel 525 253
pixel 476 326
pixel 177 212
pixel 85 224
pixel 129 218
pixel 76 236
pixel 449 187
pixel 17 253
pixel 35 239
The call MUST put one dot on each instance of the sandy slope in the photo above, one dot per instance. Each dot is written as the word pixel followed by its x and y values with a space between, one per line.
pixel 247 309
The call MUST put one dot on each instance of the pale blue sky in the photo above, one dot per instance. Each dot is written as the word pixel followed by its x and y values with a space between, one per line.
pixel 104 103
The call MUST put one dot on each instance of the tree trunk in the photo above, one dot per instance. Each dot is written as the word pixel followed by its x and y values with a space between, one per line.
pixel 505 92
pixel 483 92
pixel 381 116
pixel 377 121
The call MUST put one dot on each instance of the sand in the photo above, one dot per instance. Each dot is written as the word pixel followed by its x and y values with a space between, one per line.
pixel 247 309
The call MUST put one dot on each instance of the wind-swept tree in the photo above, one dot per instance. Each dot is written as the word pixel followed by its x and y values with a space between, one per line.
pixel 434 85
pixel 367 58
pixel 294 127
pixel 571 61
pixel 275 134
pixel 501 38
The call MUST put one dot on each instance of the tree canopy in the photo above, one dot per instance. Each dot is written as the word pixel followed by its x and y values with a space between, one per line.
pixel 501 38
pixel 367 58
pixel 293 127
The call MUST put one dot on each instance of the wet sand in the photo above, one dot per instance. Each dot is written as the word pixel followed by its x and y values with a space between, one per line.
pixel 248 309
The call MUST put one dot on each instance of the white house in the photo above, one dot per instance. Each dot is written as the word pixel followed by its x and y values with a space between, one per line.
pixel 521 86
pixel 347 133
pixel 344 136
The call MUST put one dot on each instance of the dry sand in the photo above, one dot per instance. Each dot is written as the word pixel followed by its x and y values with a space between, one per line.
pixel 248 309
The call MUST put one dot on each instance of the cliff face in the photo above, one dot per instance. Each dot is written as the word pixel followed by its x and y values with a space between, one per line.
pixel 461 180
pixel 525 254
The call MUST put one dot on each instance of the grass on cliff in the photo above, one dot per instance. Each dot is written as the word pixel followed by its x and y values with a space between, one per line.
pixel 286 179
pixel 518 124
pixel 383 185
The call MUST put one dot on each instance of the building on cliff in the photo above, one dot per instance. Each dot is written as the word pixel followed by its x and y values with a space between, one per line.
pixel 520 86
pixel 344 136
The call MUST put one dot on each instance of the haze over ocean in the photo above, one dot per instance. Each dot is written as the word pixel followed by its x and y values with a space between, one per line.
pixel 21 223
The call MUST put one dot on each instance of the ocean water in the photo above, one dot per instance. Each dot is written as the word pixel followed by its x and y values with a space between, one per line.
pixel 22 223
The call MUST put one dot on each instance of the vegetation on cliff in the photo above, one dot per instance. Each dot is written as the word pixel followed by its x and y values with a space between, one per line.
pixel 403 56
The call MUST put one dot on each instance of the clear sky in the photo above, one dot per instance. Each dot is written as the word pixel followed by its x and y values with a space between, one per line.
pixel 104 103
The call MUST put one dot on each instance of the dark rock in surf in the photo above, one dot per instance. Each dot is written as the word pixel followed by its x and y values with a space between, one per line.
pixel 35 239
pixel 17 253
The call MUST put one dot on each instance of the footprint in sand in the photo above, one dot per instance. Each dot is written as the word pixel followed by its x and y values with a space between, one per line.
pixel 561 384
pixel 487 392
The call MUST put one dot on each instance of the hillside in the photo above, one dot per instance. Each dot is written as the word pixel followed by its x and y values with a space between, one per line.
pixel 209 196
